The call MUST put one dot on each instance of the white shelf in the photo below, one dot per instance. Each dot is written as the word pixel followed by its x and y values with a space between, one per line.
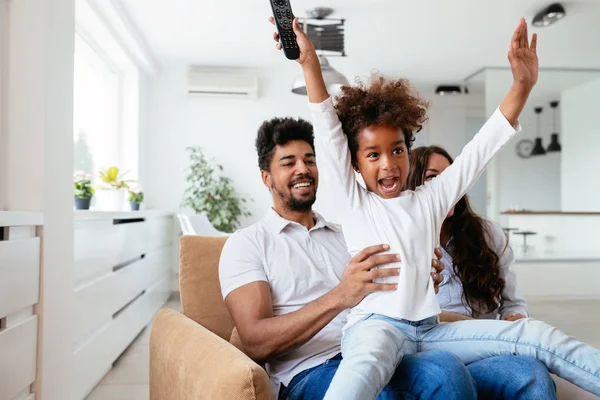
pixel 19 218
pixel 89 215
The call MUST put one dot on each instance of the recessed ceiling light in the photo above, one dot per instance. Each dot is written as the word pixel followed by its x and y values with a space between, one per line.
pixel 549 15
pixel 444 90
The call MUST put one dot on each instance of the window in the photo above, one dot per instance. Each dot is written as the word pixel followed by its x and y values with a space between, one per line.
pixel 96 130
pixel 106 109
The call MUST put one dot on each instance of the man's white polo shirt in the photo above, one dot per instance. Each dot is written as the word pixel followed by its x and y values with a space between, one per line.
pixel 300 266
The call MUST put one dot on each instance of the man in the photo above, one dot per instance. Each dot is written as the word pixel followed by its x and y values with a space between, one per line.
pixel 288 280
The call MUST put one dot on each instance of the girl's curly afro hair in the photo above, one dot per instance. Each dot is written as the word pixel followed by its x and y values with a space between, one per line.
pixel 383 102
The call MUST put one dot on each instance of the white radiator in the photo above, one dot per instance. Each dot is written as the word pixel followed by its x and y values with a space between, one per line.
pixel 19 293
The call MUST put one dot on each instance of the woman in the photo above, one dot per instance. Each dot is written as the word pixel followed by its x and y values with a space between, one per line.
pixel 479 283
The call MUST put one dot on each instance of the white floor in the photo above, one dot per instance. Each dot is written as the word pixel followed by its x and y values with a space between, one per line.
pixel 129 378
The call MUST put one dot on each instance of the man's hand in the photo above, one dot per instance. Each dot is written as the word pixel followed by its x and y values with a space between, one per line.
pixel 523 57
pixel 359 274
pixel 307 50
pixel 514 317
pixel 439 266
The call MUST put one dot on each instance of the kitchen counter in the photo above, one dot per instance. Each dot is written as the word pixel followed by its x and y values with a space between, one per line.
pixel 526 212
pixel 562 256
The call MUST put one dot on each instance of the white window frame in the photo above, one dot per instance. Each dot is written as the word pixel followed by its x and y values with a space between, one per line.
pixel 93 28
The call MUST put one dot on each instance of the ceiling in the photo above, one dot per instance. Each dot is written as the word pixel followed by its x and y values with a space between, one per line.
pixel 425 40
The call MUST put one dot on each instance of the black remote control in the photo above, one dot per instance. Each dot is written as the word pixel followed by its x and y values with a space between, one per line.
pixel 284 18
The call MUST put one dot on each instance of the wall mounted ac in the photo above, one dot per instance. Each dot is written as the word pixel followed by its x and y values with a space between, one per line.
pixel 222 84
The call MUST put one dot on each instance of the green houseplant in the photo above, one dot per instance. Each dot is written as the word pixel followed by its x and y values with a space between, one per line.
pixel 113 179
pixel 83 190
pixel 136 196
pixel 209 192
pixel 112 195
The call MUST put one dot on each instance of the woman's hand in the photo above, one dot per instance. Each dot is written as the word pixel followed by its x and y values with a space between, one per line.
pixel 439 266
pixel 514 317
pixel 449 316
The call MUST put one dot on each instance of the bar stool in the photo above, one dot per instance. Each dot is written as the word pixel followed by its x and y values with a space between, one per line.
pixel 525 247
pixel 509 230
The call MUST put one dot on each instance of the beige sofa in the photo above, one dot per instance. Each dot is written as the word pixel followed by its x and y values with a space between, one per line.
pixel 191 353
pixel 197 354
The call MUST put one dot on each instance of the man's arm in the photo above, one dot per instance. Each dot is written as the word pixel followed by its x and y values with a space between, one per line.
pixel 265 336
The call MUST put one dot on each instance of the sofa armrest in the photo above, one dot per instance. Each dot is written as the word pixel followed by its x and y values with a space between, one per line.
pixel 188 362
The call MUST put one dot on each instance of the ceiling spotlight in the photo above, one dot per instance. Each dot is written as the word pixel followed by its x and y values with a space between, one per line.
pixel 549 15
pixel 444 90
pixel 319 12
pixel 334 80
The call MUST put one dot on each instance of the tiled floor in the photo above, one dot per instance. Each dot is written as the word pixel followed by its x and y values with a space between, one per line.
pixel 128 380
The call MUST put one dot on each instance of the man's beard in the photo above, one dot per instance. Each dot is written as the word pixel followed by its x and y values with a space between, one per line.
pixel 294 204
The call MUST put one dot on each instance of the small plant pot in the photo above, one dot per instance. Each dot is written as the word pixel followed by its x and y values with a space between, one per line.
pixel 82 204
pixel 134 206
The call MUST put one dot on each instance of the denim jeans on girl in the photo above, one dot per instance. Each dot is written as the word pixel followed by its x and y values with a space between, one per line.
pixel 440 375
pixel 374 347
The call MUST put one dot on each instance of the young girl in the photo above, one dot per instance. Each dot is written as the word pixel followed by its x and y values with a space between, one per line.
pixel 373 138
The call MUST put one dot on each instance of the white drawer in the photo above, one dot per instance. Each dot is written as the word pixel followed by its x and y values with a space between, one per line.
pixel 19 274
pixel 95 304
pixel 93 360
pixel 18 351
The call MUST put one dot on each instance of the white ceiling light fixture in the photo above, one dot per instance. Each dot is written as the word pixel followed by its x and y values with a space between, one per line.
pixel 549 15
pixel 327 35
pixel 334 80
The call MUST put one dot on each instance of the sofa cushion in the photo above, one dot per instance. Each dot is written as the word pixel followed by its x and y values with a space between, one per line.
pixel 201 298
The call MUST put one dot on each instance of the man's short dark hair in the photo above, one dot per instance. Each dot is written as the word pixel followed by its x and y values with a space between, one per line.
pixel 277 132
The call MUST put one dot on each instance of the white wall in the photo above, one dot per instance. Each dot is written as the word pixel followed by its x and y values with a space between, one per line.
pixel 226 128
pixel 3 93
pixel 580 142
pixel 39 167
pixel 532 183
pixel 454 120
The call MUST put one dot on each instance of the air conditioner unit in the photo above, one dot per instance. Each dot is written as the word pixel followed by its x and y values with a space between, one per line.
pixel 222 84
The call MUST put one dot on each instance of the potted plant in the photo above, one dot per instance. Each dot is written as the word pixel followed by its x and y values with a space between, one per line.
pixel 136 196
pixel 112 197
pixel 84 191
pixel 213 194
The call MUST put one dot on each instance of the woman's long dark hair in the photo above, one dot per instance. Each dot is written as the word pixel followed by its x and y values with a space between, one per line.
pixel 476 263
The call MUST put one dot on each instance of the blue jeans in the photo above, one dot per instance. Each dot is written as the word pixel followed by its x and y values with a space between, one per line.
pixel 429 375
pixel 512 378
pixel 441 375
pixel 373 347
